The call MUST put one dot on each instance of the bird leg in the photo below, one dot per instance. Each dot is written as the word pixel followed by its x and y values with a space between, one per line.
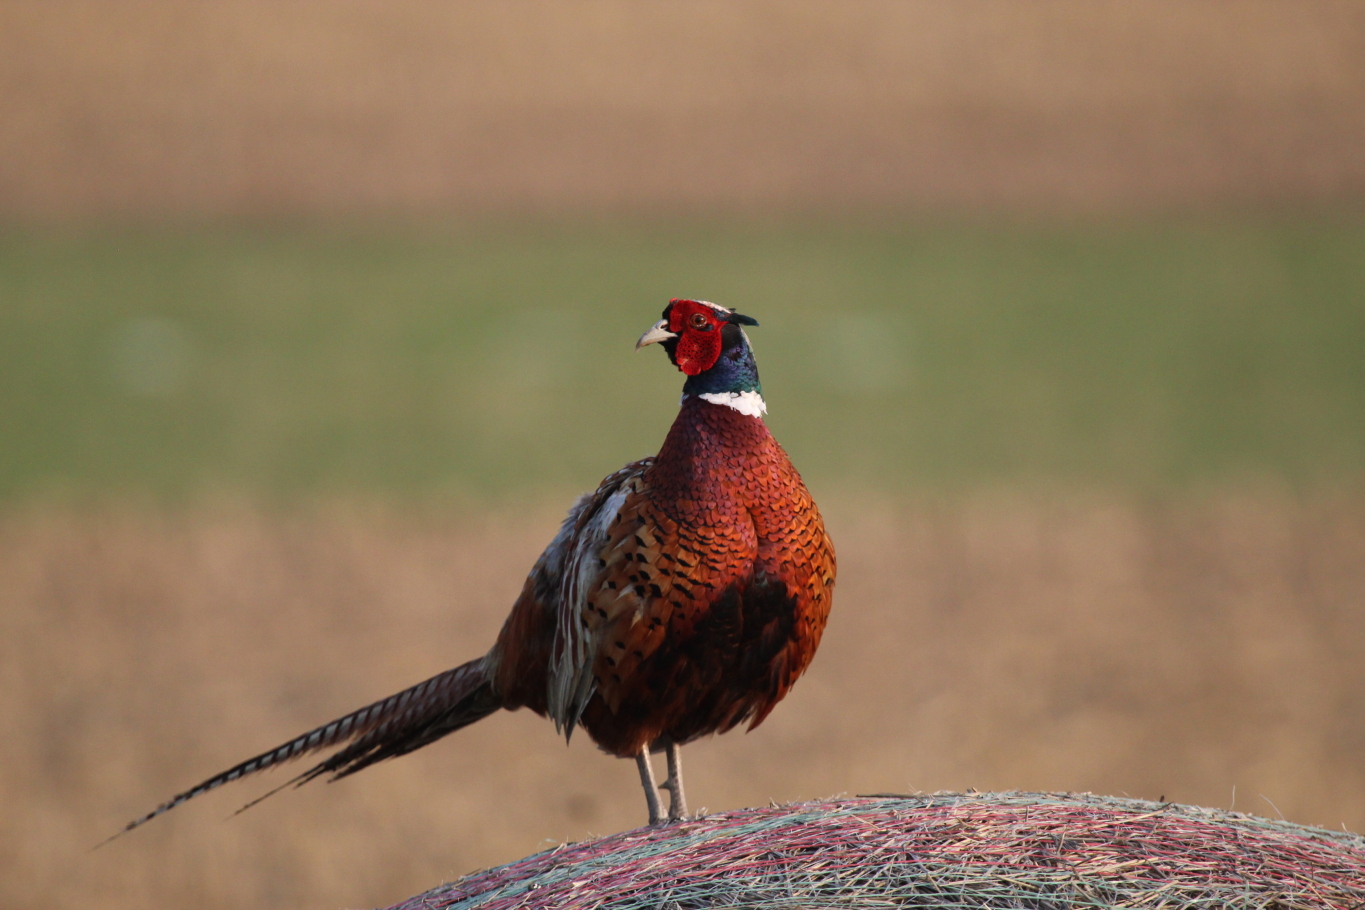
pixel 647 781
pixel 677 802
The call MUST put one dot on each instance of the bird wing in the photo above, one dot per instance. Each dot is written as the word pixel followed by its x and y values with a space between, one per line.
pixel 577 561
pixel 632 576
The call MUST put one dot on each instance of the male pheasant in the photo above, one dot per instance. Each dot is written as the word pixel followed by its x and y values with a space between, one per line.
pixel 685 596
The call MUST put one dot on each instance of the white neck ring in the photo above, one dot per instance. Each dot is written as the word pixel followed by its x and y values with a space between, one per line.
pixel 747 403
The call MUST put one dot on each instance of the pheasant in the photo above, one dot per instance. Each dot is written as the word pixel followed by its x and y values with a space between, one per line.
pixel 682 598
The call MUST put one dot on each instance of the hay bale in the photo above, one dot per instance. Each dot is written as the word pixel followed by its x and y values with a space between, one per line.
pixel 1020 850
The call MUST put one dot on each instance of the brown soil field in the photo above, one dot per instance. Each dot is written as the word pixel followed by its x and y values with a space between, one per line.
pixel 1207 652
pixel 159 108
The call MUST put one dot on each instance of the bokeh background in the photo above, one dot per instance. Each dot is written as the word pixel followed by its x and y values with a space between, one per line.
pixel 314 316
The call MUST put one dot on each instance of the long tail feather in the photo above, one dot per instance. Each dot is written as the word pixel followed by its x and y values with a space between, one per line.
pixel 392 726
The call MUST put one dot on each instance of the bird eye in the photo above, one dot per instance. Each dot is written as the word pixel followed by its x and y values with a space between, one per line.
pixel 699 321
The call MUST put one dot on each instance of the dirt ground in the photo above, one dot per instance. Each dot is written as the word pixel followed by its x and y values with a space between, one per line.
pixel 248 108
pixel 1206 652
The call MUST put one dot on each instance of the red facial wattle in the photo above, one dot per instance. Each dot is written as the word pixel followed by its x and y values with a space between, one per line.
pixel 699 341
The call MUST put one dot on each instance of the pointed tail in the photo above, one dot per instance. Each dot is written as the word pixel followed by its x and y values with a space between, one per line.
pixel 393 726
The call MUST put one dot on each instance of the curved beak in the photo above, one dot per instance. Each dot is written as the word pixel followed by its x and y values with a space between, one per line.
pixel 659 332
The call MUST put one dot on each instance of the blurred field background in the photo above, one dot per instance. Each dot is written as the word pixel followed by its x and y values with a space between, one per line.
pixel 314 317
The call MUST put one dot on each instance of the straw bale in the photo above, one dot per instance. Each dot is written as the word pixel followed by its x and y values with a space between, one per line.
pixel 1039 851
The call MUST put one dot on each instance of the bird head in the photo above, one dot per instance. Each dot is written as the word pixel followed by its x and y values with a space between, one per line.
pixel 695 333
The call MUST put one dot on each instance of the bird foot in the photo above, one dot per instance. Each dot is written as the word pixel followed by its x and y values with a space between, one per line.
pixel 677 801
pixel 677 804
pixel 656 815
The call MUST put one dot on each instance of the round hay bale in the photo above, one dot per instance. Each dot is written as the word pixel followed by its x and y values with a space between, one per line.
pixel 1018 850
